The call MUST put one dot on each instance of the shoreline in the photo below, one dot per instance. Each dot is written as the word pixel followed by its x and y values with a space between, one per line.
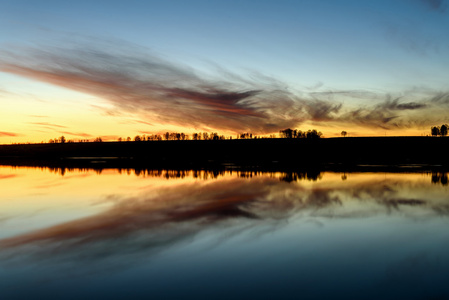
pixel 427 153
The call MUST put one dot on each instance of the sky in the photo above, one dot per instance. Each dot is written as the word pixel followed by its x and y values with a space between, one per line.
pixel 110 69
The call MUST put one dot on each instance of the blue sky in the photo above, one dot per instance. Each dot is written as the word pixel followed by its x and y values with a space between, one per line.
pixel 339 57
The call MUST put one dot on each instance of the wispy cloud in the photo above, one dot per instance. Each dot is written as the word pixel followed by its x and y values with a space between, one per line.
pixel 158 91
pixel 150 86
pixel 8 176
pixel 37 116
pixel 440 98
pixel 4 92
pixel 4 133
pixel 82 134
pixel 47 124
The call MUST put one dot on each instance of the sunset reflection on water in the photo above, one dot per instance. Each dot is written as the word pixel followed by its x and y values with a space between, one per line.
pixel 222 234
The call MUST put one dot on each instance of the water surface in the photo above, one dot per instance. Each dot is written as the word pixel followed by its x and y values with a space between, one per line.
pixel 111 234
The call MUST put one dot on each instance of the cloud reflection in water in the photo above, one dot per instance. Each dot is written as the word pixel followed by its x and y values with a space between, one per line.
pixel 158 217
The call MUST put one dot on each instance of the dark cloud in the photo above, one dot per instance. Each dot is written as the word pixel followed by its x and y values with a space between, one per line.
pixel 395 105
pixel 321 110
pixel 410 105
pixel 390 114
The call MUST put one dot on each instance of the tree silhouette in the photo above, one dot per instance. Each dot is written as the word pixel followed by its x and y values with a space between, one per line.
pixel 435 131
pixel 344 133
pixel 286 133
pixel 313 134
pixel 246 135
pixel 298 134
pixel 443 130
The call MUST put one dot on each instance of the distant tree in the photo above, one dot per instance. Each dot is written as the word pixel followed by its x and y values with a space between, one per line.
pixel 119 139
pixel 246 135
pixel 62 140
pixel 443 129
pixel 98 140
pixel 313 134
pixel 287 133
pixel 435 130
pixel 128 139
pixel 344 133
pixel 137 138
pixel 298 134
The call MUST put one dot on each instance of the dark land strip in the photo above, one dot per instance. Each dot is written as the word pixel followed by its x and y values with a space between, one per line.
pixel 338 154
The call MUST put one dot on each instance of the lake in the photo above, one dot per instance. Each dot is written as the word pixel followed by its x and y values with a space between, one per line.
pixel 168 234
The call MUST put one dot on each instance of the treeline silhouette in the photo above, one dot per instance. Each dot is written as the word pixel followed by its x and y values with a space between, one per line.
pixel 439 130
pixel 204 174
pixel 197 136
pixel 298 134
pixel 296 150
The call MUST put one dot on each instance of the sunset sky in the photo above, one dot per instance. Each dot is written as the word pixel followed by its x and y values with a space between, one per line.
pixel 85 69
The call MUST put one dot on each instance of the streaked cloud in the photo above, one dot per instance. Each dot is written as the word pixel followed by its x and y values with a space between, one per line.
pixel 5 133
pixel 82 134
pixel 157 91
pixel 37 116
pixel 8 176
pixel 4 92
pixel 47 124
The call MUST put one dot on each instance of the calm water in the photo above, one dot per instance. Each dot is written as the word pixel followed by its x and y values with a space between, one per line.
pixel 204 235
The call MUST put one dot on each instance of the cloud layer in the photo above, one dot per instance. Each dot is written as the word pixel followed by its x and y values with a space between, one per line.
pixel 163 92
